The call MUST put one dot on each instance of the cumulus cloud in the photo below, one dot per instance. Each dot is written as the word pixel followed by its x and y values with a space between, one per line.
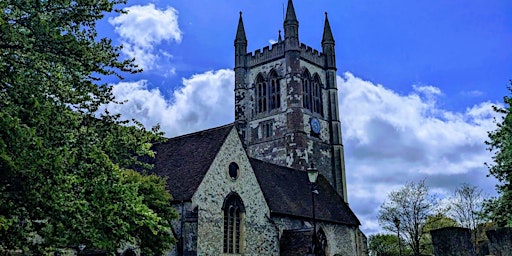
pixel 202 101
pixel 389 138
pixel 143 27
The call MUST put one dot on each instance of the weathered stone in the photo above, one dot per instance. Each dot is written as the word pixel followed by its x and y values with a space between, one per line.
pixel 452 241
pixel 500 241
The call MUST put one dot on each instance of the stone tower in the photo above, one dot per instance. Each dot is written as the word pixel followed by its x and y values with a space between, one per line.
pixel 286 102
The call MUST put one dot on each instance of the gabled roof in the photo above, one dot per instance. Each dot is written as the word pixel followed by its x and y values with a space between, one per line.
pixel 288 192
pixel 184 160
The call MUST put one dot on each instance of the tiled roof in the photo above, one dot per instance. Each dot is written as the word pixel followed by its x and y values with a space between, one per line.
pixel 184 160
pixel 288 192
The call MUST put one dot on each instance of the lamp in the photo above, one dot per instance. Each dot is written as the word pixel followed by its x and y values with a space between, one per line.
pixel 312 176
pixel 396 221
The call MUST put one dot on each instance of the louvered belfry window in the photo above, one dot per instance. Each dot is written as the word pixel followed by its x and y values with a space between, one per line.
pixel 233 223
pixel 312 92
pixel 275 91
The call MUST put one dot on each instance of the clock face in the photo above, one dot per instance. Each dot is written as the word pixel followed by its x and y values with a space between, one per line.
pixel 315 125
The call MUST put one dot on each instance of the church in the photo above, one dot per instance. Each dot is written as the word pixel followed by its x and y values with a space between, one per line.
pixel 243 188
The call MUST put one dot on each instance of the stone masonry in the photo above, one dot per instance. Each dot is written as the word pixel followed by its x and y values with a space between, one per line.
pixel 260 235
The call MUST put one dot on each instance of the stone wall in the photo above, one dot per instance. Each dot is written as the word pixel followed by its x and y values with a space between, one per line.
pixel 500 241
pixel 341 239
pixel 452 241
pixel 261 236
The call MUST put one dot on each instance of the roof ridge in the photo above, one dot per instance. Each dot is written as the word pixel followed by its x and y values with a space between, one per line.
pixel 201 131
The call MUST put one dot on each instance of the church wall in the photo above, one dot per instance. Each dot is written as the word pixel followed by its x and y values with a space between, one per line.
pixel 269 148
pixel 341 239
pixel 185 229
pixel 260 235
pixel 319 149
pixel 274 148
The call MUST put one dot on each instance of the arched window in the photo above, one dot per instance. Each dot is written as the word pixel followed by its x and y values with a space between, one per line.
pixel 261 94
pixel 316 96
pixel 321 247
pixel 233 223
pixel 275 91
pixel 306 88
pixel 312 92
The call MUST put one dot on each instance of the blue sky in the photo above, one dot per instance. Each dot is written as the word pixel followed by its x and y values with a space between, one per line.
pixel 416 79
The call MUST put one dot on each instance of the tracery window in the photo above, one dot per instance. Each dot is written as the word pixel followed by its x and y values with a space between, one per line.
pixel 306 88
pixel 233 223
pixel 261 94
pixel 316 98
pixel 268 92
pixel 275 94
pixel 312 92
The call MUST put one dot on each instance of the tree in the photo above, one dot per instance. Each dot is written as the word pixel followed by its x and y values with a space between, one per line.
pixel 411 205
pixel 466 208
pixel 64 167
pixel 500 143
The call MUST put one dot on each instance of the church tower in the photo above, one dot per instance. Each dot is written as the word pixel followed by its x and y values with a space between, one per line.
pixel 286 102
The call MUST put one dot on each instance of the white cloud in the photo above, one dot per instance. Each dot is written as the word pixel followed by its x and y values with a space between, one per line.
pixel 473 93
pixel 142 28
pixel 389 139
pixel 202 101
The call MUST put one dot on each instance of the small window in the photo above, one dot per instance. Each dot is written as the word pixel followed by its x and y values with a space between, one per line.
pixel 266 129
pixel 233 170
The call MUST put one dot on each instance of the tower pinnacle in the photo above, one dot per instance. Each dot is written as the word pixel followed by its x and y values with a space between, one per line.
pixel 327 37
pixel 290 13
pixel 291 28
pixel 240 31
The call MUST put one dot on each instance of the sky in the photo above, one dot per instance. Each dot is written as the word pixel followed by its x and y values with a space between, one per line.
pixel 416 80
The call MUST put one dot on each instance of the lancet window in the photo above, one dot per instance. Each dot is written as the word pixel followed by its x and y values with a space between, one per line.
pixel 312 92
pixel 268 92
pixel 316 95
pixel 234 211
pixel 261 94
pixel 275 94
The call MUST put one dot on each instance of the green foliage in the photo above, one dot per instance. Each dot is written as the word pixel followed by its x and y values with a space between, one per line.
pixel 153 238
pixel 500 143
pixel 387 245
pixel 436 221
pixel 383 245
pixel 64 177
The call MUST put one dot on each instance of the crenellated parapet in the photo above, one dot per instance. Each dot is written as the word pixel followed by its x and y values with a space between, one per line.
pixel 266 55
pixel 312 55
